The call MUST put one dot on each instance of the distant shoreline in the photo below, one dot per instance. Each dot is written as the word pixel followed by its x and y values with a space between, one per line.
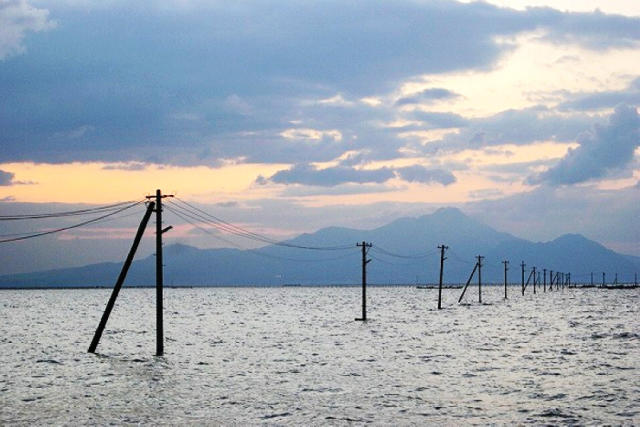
pixel 373 285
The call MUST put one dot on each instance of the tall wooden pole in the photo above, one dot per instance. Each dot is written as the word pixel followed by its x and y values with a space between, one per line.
pixel 159 278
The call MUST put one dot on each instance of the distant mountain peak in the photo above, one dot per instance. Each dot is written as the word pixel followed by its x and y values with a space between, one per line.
pixel 449 212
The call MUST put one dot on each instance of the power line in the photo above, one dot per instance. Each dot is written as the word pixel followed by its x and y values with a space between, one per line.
pixel 185 218
pixel 405 256
pixel 58 230
pixel 242 232
pixel 87 211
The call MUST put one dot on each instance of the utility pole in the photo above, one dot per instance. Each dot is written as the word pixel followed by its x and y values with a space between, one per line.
pixel 159 277
pixel 480 258
pixel 603 279
pixel 550 280
pixel 535 279
pixel 442 258
pixel 544 283
pixel 615 281
pixel 506 267
pixel 364 245
pixel 523 265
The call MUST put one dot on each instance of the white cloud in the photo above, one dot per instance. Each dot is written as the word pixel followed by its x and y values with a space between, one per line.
pixel 17 17
pixel 308 134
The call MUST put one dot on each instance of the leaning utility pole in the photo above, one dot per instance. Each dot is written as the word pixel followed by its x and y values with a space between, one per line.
pixel 535 280
pixel 442 258
pixel 120 281
pixel 159 278
pixel 480 258
pixel 364 245
pixel 506 267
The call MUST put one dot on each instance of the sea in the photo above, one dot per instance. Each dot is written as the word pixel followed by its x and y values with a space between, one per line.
pixel 296 356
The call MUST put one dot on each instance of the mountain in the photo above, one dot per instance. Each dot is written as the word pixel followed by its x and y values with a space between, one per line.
pixel 404 251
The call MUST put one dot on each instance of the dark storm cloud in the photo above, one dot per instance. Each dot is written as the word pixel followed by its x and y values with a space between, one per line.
pixel 166 84
pixel 602 151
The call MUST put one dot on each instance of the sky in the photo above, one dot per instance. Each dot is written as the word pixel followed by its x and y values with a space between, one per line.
pixel 291 116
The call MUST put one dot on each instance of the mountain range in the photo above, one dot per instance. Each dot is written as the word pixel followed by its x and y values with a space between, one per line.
pixel 404 251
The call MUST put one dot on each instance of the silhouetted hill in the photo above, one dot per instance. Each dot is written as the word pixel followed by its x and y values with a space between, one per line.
pixel 405 251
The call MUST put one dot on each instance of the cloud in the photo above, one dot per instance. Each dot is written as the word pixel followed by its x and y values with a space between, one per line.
pixel 441 120
pixel 604 99
pixel 518 127
pixel 17 18
pixel 601 151
pixel 427 95
pixel 417 173
pixel 229 79
pixel 129 166
pixel 6 178
pixel 329 177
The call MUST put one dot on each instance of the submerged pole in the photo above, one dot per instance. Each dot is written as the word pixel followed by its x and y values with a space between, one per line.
pixel 121 277
pixel 535 280
pixel 480 258
pixel 468 281
pixel 365 261
pixel 442 258
pixel 506 264
pixel 159 277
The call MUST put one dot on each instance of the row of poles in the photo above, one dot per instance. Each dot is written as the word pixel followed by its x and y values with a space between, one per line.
pixel 154 205
pixel 559 279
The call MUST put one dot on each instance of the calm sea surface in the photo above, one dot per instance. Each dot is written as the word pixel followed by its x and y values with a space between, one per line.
pixel 296 356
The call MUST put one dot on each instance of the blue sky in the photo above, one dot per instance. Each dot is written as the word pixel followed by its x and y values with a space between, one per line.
pixel 347 113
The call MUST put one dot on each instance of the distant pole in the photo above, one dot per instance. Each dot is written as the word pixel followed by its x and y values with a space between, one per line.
pixel 592 278
pixel 550 280
pixel 615 280
pixel 480 258
pixel 442 258
pixel 364 245
pixel 603 279
pixel 523 265
pixel 569 280
pixel 544 282
pixel 635 279
pixel 467 284
pixel 123 274
pixel 159 267
pixel 535 280
pixel 506 267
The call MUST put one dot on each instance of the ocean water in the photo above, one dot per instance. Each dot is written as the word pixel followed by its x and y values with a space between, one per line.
pixel 296 356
